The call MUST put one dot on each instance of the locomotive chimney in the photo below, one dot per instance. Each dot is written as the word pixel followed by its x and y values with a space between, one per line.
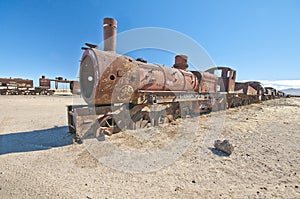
pixel 181 62
pixel 110 34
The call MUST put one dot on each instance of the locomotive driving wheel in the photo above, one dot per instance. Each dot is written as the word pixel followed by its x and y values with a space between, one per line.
pixel 141 119
pixel 144 119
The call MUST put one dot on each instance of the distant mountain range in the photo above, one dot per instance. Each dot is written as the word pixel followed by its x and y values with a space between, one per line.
pixel 292 91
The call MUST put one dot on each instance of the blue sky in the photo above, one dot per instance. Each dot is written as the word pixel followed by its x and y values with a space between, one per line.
pixel 259 38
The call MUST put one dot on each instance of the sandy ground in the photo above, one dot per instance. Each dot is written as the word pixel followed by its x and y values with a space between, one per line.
pixel 39 160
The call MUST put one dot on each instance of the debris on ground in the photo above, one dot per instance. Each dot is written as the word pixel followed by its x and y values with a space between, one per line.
pixel 224 146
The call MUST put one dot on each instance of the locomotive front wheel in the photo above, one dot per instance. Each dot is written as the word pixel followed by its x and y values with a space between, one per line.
pixel 108 125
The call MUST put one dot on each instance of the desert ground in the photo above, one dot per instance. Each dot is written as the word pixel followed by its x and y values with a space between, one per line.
pixel 38 158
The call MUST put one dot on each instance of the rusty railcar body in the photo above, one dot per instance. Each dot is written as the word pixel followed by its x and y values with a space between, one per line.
pixel 45 83
pixel 15 86
pixel 270 93
pixel 19 86
pixel 18 82
pixel 123 93
pixel 238 93
pixel 281 94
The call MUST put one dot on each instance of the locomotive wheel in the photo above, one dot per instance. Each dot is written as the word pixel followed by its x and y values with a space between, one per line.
pixel 141 119
pixel 169 119
pixel 161 117
pixel 108 125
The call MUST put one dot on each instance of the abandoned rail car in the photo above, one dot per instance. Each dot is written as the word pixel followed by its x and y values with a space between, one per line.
pixel 19 86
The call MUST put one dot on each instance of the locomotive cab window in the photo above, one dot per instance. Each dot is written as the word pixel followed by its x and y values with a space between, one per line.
pixel 228 74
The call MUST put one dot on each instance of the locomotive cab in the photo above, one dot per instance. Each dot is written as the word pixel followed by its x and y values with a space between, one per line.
pixel 227 78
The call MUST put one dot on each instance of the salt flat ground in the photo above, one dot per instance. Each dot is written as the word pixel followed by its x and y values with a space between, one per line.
pixel 38 158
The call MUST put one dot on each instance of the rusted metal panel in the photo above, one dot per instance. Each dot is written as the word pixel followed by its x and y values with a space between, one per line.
pixel 174 80
pixel 245 88
pixel 209 83
pixel 191 81
pixel 162 78
pixel 151 77
pixel 251 91
pixel 270 93
pixel 241 87
pixel 97 80
pixel 257 86
pixel 45 82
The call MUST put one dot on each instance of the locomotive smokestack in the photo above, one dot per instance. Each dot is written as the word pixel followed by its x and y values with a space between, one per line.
pixel 110 34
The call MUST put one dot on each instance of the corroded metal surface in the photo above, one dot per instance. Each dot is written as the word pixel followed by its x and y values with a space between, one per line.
pixel 107 78
pixel 110 32
pixel 270 93
pixel 45 82
pixel 16 82
pixel 154 93
pixel 245 88
pixel 181 62
pixel 226 79
pixel 75 87
pixel 208 82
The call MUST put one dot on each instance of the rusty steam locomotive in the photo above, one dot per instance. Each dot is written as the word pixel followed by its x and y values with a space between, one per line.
pixel 123 93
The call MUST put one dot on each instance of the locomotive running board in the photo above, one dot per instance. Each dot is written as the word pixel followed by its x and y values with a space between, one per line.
pixel 159 97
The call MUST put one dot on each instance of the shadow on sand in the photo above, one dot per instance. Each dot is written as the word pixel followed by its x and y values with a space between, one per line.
pixel 219 153
pixel 35 140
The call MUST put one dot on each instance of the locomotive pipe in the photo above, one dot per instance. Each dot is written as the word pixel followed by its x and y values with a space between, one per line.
pixel 110 34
